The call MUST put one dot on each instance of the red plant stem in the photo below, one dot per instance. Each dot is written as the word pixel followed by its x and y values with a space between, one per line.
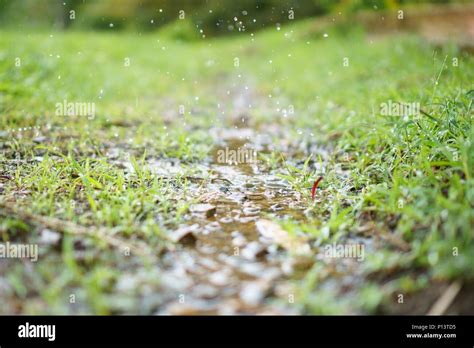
pixel 315 186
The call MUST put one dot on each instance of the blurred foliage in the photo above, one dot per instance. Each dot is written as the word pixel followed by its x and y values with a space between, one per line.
pixel 209 17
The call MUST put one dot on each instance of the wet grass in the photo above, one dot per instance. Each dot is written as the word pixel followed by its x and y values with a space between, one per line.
pixel 405 182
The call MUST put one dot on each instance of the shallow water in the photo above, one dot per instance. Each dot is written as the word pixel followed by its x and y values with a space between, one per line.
pixel 230 264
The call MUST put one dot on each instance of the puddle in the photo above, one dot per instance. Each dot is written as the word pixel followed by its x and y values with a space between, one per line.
pixel 230 263
pixel 223 262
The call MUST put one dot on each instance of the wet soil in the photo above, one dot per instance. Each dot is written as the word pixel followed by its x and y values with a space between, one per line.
pixel 231 267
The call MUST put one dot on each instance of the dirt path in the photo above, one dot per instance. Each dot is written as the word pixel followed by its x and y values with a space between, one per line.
pixel 222 264
pixel 230 256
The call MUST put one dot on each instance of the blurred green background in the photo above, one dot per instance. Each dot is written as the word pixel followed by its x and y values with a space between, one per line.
pixel 204 17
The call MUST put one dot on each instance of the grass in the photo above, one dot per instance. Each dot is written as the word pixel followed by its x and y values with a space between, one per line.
pixel 411 177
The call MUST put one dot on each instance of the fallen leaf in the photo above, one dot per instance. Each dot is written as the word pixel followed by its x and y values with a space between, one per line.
pixel 278 235
pixel 315 186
